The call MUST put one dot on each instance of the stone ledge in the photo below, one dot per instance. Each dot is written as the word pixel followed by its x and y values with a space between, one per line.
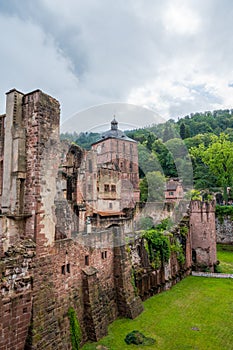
pixel 212 274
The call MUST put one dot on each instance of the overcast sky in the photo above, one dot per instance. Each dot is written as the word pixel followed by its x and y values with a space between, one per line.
pixel 173 57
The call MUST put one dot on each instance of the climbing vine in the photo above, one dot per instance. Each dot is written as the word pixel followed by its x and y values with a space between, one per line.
pixel 133 281
pixel 157 244
pixel 75 330
pixel 178 249
pixel 184 231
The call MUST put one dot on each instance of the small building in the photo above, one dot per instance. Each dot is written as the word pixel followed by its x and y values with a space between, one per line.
pixel 174 190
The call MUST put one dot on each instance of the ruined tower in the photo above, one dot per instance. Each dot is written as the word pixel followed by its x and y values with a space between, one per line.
pixel 30 164
pixel 203 234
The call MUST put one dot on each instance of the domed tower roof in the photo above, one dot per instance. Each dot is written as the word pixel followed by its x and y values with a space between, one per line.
pixel 114 124
pixel 114 133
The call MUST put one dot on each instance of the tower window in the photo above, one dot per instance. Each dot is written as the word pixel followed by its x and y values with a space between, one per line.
pixel 104 255
pixel 87 260
pixel 68 268
pixel 106 188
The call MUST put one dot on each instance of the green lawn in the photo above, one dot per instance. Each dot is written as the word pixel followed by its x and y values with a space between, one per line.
pixel 195 314
pixel 225 256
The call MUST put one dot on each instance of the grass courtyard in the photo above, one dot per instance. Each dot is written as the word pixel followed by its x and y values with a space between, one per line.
pixel 195 314
pixel 225 256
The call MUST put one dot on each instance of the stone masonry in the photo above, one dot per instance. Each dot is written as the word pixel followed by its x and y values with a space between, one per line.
pixel 48 260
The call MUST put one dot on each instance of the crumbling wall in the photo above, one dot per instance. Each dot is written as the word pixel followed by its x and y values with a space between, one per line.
pixel 43 272
pixel 224 230
pixel 41 120
pixel 16 285
pixel 203 234
pixel 150 280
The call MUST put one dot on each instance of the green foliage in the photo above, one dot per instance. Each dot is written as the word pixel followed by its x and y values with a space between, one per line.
pixel 158 244
pixel 168 133
pixel 69 136
pixel 165 157
pixel 152 187
pixel 161 149
pixel 178 249
pixel 194 195
pixel 146 223
pixel 133 281
pixel 137 338
pixel 182 131
pixel 75 330
pixel 85 140
pixel 218 156
pixel 148 161
pixel 184 231
pixel 222 211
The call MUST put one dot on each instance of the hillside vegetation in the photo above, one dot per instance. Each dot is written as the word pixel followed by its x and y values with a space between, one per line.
pixel 197 148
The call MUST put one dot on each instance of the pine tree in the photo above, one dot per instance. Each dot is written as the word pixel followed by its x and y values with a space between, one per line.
pixel 182 131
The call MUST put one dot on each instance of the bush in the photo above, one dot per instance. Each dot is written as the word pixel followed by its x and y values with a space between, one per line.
pixel 223 211
pixel 137 338
pixel 146 223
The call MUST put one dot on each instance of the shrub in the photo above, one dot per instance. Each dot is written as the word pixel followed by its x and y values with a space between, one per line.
pixel 137 338
pixel 158 246
pixel 224 211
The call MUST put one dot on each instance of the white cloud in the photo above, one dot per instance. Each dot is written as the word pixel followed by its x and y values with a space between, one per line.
pixel 31 60
pixel 173 56
pixel 178 18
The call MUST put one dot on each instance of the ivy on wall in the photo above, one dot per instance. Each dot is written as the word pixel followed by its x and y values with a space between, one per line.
pixel 178 249
pixel 159 244
pixel 75 330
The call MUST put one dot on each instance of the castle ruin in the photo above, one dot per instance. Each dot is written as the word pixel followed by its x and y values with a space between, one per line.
pixel 51 258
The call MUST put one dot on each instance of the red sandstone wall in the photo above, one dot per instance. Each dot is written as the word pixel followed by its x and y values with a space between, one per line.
pixel 41 115
pixel 16 285
pixel 203 234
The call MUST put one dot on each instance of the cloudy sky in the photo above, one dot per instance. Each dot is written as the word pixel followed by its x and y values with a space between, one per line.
pixel 172 57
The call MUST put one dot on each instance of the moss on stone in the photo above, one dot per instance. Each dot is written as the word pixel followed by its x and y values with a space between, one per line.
pixel 75 330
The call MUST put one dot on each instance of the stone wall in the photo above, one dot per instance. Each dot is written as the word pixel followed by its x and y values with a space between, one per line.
pixel 37 291
pixel 149 280
pixel 43 271
pixel 86 273
pixel 16 285
pixel 203 234
pixel 224 230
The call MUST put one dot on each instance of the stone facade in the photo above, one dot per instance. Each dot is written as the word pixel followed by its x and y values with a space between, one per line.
pixel 224 230
pixel 174 191
pixel 50 258
pixel 203 234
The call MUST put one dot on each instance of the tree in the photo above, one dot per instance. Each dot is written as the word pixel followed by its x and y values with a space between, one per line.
pixel 168 132
pixel 152 187
pixel 148 161
pixel 219 158
pixel 182 131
